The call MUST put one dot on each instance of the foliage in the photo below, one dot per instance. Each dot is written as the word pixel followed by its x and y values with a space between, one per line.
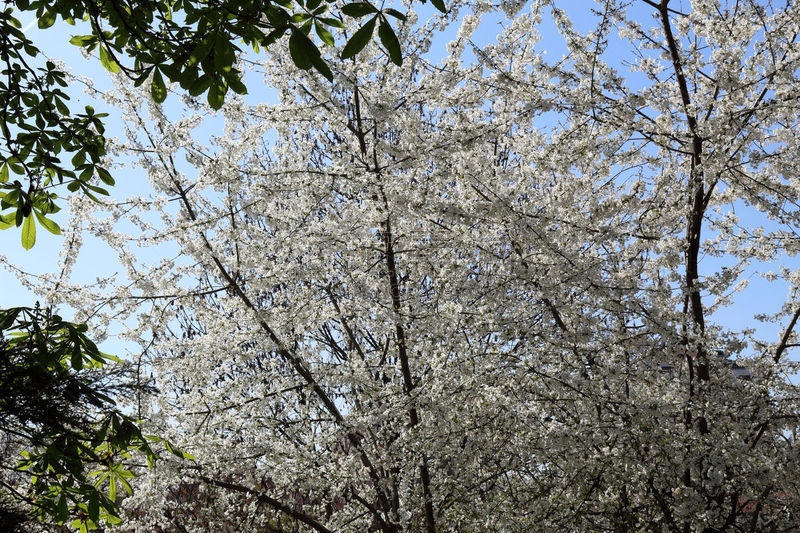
pixel 37 129
pixel 54 406
pixel 471 296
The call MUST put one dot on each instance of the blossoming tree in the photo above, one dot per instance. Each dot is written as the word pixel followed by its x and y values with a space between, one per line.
pixel 472 295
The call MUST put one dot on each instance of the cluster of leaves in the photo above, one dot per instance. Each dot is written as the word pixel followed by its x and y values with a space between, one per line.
pixel 38 129
pixel 54 404
pixel 193 42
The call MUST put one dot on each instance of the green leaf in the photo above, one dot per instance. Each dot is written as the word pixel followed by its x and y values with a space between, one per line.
pixel 62 512
pixel 47 224
pixel 216 96
pixel 439 4
pixel 389 40
pixel 224 57
pixel 143 77
pixel 358 10
pixel 125 484
pixel 28 233
pixel 94 507
pixel 300 51
pixel 79 158
pixel 47 19
pixel 62 107
pixel 236 84
pixel 81 40
pixel 395 13
pixel 157 89
pixel 201 51
pixel 112 487
pixel 76 360
pixel 322 67
pixel 105 176
pixel 109 64
pixel 95 188
pixel 323 34
pixel 359 39
pixel 200 85
pixel 4 173
pixel 15 166
pixel 333 23
pixel 273 36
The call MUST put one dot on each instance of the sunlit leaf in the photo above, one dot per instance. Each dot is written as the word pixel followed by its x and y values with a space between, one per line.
pixel 28 233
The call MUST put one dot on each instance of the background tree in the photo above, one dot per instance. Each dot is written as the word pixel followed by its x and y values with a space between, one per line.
pixel 193 43
pixel 470 296
pixel 57 411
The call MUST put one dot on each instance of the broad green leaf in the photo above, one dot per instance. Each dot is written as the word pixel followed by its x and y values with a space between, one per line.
pixel 300 51
pixel 112 487
pixel 323 34
pixel 332 22
pixel 224 56
pixel 395 13
pixel 439 4
pixel 47 224
pixel 95 188
pixel 81 40
pixel 322 67
pixel 358 10
pixel 157 89
pixel 389 40
pixel 77 358
pixel 94 507
pixel 62 512
pixel 359 39
pixel 125 484
pixel 200 85
pixel 106 60
pixel 201 51
pixel 104 176
pixel 28 233
pixel 4 174
pixel 143 77
pixel 62 107
pixel 15 166
pixel 273 36
pixel 47 19
pixel 215 96
pixel 79 158
pixel 236 84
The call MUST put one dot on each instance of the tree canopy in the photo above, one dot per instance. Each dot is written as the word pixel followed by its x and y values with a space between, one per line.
pixel 471 294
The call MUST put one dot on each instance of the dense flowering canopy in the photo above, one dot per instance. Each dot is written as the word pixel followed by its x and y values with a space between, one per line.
pixel 468 295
